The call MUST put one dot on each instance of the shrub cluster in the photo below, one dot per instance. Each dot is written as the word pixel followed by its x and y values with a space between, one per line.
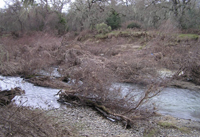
pixel 114 20
pixel 103 28
pixel 133 25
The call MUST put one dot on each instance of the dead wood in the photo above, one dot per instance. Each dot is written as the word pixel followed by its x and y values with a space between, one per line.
pixel 97 105
pixel 107 108
pixel 6 96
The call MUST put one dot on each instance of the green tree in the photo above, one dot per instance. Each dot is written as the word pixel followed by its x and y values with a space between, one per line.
pixel 114 20
pixel 61 25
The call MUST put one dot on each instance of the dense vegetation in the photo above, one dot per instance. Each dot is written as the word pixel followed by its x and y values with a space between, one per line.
pixel 61 16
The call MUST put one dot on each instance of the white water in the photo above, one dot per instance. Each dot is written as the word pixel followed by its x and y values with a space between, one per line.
pixel 180 103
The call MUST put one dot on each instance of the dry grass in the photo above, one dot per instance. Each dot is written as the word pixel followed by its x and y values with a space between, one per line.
pixel 29 53
pixel 21 121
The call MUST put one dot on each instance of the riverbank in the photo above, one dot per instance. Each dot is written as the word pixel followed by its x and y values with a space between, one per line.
pixel 74 121
pixel 89 123
pixel 184 85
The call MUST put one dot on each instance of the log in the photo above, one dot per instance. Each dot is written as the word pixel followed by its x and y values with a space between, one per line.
pixel 98 106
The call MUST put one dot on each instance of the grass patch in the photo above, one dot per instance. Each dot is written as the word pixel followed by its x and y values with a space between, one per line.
pixel 151 132
pixel 128 33
pixel 125 33
pixel 101 36
pixel 6 35
pixel 172 125
pixel 184 129
pixel 167 124
pixel 183 37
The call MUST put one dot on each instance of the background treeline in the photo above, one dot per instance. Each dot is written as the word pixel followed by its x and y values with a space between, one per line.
pixel 78 15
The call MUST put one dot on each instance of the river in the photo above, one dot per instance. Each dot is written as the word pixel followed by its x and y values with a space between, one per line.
pixel 180 103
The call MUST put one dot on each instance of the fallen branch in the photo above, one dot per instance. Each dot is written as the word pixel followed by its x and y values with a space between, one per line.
pixel 6 96
pixel 99 106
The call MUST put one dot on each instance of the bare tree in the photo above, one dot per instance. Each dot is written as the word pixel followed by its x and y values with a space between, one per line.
pixel 84 14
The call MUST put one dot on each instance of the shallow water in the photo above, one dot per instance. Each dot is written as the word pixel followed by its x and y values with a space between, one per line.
pixel 180 103
pixel 35 96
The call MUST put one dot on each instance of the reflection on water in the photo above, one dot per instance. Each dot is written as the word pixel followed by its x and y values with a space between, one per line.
pixel 181 103
pixel 35 96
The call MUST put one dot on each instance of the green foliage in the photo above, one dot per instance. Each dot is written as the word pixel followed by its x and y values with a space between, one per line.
pixel 172 125
pixel 28 2
pixel 62 20
pixel 103 28
pixel 189 20
pixel 114 20
pixel 167 124
pixel 101 36
pixel 151 132
pixel 62 25
pixel 183 37
pixel 133 25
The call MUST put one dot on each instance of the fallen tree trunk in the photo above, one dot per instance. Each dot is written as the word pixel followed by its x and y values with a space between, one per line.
pixel 102 107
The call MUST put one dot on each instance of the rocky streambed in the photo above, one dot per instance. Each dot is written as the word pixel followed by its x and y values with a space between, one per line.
pixel 86 122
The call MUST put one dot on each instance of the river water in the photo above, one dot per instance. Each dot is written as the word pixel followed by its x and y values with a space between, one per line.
pixel 35 96
pixel 180 103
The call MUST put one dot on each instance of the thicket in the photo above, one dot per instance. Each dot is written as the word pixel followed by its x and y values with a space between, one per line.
pixel 24 17
pixel 81 15
pixel 103 28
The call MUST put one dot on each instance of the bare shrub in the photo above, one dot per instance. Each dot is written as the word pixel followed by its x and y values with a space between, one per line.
pixel 79 62
pixel 21 121
pixel 91 81
pixel 4 55
pixel 189 70
pixel 84 35
pixel 68 38
pixel 31 53
pixel 134 67
pixel 167 51
pixel 169 27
